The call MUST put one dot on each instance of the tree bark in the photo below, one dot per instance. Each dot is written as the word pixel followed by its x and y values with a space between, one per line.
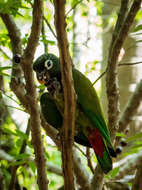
pixel 67 134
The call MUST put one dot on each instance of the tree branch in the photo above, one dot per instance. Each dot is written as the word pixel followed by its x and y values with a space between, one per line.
pixel 54 169
pixel 117 185
pixel 131 107
pixel 120 20
pixel 16 84
pixel 35 31
pixel 29 100
pixel 67 136
pixel 112 84
pixel 31 94
pixel 80 171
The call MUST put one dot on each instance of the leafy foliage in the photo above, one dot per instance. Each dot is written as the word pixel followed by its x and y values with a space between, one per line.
pixel 11 7
pixel 13 123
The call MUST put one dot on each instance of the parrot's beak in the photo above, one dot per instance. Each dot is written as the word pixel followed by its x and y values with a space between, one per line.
pixel 43 78
pixel 40 77
pixel 41 81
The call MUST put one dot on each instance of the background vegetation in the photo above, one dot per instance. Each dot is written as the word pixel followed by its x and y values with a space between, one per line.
pixel 104 36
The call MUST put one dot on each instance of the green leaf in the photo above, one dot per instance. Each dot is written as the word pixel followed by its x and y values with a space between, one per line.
pixel 137 145
pixel 32 166
pixel 29 143
pixel 0 95
pixel 41 87
pixel 138 41
pixel 21 134
pixel 134 137
pixel 120 134
pixel 9 131
pixel 4 74
pixel 19 142
pixel 114 172
pixel 16 163
pixel 139 27
pixel 47 155
pixel 22 156
pixel 5 68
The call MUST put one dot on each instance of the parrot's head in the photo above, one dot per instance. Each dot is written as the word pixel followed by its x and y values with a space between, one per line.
pixel 47 68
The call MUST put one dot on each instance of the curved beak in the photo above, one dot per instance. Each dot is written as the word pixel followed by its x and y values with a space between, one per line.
pixel 42 77
pixel 40 81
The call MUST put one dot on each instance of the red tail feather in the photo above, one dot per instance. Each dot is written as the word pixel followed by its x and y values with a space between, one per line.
pixel 96 142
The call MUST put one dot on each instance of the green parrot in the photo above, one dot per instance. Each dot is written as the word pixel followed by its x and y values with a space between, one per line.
pixel 90 127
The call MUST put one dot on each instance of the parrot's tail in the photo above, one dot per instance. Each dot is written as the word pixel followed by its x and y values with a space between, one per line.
pixel 101 150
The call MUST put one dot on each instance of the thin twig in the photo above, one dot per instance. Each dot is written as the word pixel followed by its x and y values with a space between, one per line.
pixel 3 92
pixel 120 64
pixel 101 75
pixel 80 150
pixel 43 38
pixel 49 26
pixel 129 64
pixel 73 7
pixel 43 33
pixel 15 108
pixel 5 54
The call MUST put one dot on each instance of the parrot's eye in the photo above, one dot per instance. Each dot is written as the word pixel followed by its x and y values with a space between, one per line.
pixel 48 64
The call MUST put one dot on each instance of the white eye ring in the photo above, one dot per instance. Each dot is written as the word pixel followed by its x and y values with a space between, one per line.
pixel 48 64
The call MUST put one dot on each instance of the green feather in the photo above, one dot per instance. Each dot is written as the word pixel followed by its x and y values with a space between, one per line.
pixel 88 99
pixel 105 162
pixel 54 117
pixel 50 111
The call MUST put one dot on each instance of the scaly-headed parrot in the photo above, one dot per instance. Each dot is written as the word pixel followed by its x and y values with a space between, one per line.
pixel 90 125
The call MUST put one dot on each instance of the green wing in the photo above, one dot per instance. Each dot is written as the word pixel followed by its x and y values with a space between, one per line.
pixel 50 111
pixel 88 99
pixel 53 116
